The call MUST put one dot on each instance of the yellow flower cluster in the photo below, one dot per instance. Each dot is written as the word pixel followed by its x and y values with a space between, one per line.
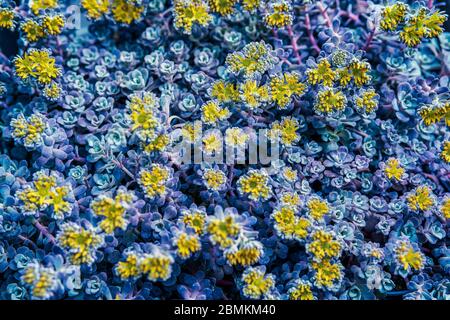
pixel 52 91
pixel 44 193
pixel 95 8
pixel 285 131
pixel 255 58
pixel 194 219
pixel 445 207
pixel 37 5
pixel 326 273
pixel 214 179
pixel 6 18
pixel 29 129
pixel 393 169
pixel 279 14
pixel 251 5
pixel 212 113
pixel 41 280
pixel 112 210
pixel 323 246
pixel 445 154
pixel 236 137
pixel 253 95
pixel 289 225
pixel 154 180
pixel 222 7
pixel 301 291
pixel 317 208
pixel 190 12
pixel 142 108
pixel 290 199
pixel 224 92
pixel 49 25
pixel 255 184
pixel 367 101
pixel 187 244
pixel 421 199
pixel 423 24
pixel 392 16
pixel 330 100
pixel 435 113
pixel 244 253
pixel 256 284
pixel 37 64
pixel 156 265
pixel 322 74
pixel 407 257
pixel 79 242
pixel 284 87
pixel 223 230
pixel 158 144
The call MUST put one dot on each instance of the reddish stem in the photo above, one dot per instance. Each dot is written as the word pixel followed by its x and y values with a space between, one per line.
pixel 310 34
pixel 294 44
pixel 369 39
pixel 430 4
pixel 325 15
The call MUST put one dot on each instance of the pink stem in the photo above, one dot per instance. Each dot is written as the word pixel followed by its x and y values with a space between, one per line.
pixel 369 39
pixel 325 15
pixel 430 4
pixel 310 34
pixel 294 44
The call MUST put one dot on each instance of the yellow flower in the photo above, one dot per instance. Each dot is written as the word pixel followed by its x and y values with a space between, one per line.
pixel 189 12
pixel 214 179
pixel 392 16
pixel 187 244
pixel 445 154
pixel 95 8
pixel 445 208
pixel 236 137
pixel 344 77
pixel 245 254
pixel 323 246
pixel 37 64
pixel 393 169
pixel 212 142
pixel 224 92
pixel 421 199
pixel 37 5
pixel 286 131
pixel 212 113
pixel 158 144
pixel 301 292
pixel 367 101
pixel 52 91
pixel 329 100
pixel 256 184
pixel 126 11
pixel 194 219
pixel 53 25
pixel 359 71
pixel 326 273
pixel 128 268
pixel 317 208
pixel 408 257
pixel 191 131
pixel 80 243
pixel 157 266
pixel 253 95
pixel 251 5
pixel 30 130
pixel 112 210
pixel 223 7
pixel 142 115
pixel 421 25
pixel 321 74
pixel 279 14
pixel 41 280
pixel 290 226
pixel 154 180
pixel 256 284
pixel 223 230
pixel 289 174
pixel 290 199
pixel 6 18
pixel 434 113
pixel 255 58
pixel 285 87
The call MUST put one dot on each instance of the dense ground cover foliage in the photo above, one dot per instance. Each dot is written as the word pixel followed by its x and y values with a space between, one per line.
pixel 95 204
